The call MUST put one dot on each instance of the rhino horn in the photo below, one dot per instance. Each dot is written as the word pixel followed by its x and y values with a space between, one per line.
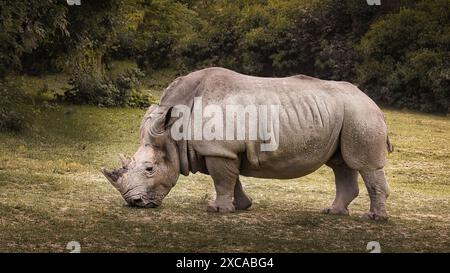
pixel 125 161
pixel 112 176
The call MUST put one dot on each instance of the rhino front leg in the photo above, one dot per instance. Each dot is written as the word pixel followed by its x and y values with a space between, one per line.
pixel 378 189
pixel 347 190
pixel 225 173
pixel 241 200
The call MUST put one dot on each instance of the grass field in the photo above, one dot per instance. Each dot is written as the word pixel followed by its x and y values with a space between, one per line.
pixel 51 192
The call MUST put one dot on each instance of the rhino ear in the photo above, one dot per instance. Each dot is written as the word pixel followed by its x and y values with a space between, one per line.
pixel 161 122
pixel 148 114
pixel 150 110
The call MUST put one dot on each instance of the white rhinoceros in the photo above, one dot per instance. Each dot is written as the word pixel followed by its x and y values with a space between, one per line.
pixel 319 122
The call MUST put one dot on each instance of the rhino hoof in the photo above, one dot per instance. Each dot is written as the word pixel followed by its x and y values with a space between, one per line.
pixel 336 211
pixel 376 217
pixel 242 204
pixel 223 208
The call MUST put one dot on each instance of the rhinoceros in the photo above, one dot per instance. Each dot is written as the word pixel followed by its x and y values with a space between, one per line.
pixel 320 123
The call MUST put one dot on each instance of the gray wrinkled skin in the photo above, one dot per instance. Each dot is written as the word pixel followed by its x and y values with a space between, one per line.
pixel 321 122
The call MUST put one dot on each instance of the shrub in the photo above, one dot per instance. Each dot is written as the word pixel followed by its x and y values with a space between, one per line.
pixel 90 87
pixel 16 112
pixel 130 93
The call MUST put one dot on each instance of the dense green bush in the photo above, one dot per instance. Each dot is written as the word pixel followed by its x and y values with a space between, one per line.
pixel 130 93
pixel 94 88
pixel 91 88
pixel 406 58
pixel 16 112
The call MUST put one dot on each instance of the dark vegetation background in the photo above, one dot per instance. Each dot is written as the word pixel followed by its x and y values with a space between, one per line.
pixel 115 57
pixel 397 52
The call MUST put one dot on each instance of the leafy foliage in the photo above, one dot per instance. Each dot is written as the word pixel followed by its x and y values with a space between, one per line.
pixel 94 88
pixel 398 51
pixel 406 58
pixel 24 25
pixel 164 24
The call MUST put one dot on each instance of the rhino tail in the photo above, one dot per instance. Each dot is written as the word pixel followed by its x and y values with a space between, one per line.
pixel 390 147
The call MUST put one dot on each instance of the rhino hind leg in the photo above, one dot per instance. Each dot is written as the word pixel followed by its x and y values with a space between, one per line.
pixel 225 173
pixel 346 180
pixel 241 200
pixel 363 140
pixel 378 190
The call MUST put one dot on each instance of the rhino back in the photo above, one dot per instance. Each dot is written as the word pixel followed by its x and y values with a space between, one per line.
pixel 310 118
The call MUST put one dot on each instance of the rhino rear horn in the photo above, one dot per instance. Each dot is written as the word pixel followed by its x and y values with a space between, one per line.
pixel 125 161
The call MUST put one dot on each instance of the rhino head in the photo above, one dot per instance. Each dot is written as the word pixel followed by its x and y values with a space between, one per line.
pixel 147 177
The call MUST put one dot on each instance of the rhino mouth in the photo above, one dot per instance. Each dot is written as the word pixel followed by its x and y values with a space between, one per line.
pixel 140 203
pixel 152 201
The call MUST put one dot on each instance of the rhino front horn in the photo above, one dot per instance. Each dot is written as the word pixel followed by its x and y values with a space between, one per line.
pixel 112 176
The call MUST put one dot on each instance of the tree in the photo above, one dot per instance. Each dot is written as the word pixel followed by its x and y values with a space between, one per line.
pixel 406 57
pixel 24 25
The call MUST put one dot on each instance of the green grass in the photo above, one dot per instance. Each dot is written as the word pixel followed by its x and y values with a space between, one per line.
pixel 51 192
pixel 42 88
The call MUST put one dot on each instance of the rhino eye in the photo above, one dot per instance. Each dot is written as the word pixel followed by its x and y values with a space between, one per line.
pixel 149 169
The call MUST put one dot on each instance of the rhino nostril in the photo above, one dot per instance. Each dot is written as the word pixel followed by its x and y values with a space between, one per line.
pixel 137 202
